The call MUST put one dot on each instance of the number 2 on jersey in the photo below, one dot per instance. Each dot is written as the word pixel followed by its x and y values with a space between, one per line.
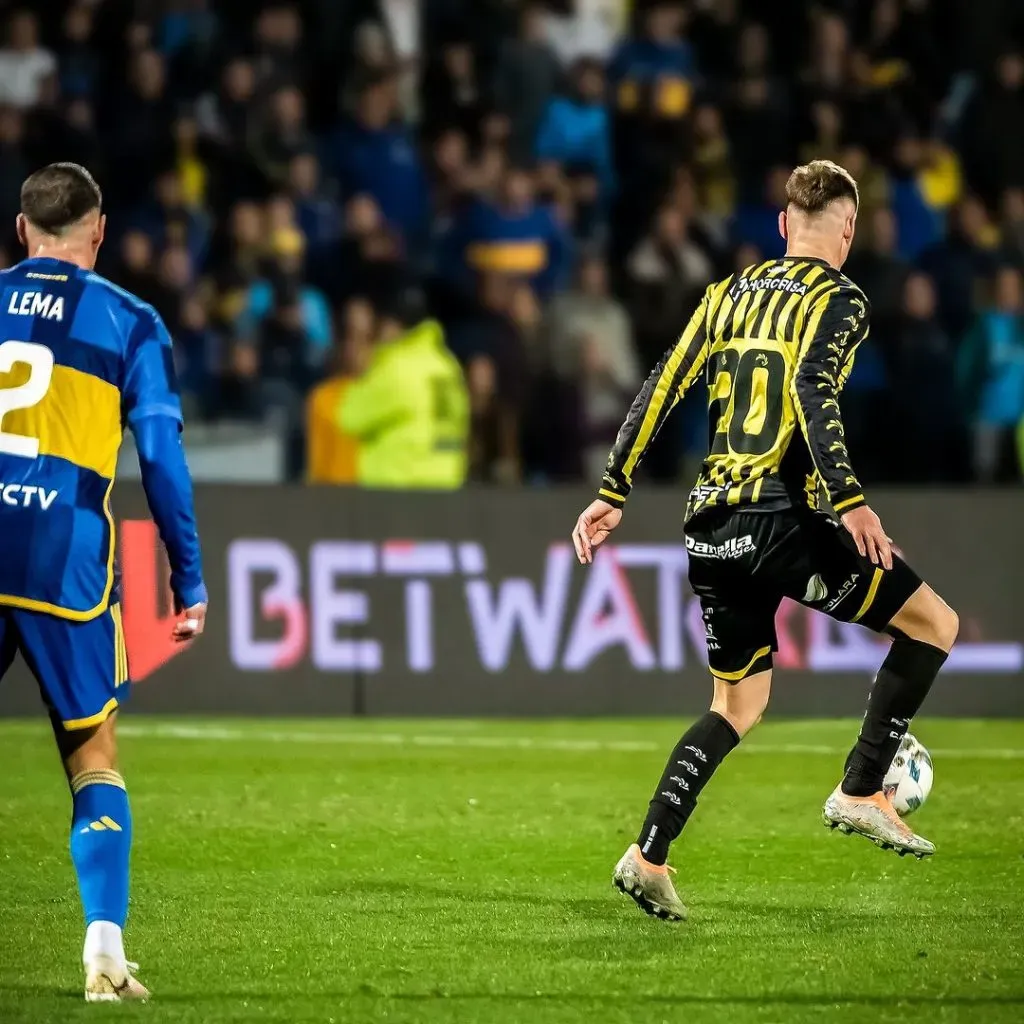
pixel 23 396
pixel 751 381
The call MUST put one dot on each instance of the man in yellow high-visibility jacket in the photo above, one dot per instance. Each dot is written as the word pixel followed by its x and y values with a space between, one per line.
pixel 409 412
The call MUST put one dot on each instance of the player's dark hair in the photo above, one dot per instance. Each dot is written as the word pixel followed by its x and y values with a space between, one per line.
pixel 58 196
pixel 817 185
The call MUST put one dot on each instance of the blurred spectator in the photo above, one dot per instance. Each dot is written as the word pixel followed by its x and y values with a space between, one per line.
pixel 496 343
pixel 873 187
pixel 136 270
pixel 452 176
pixel 877 267
pixel 409 410
pixel 591 349
pixel 1012 227
pixel 374 154
pixel 187 36
pixel 137 137
pixel 760 133
pixel 175 276
pixel 278 58
pixel 666 275
pixel 190 164
pixel 331 454
pixel 585 28
pixel 827 138
pixel 995 156
pixel 456 97
pixel 991 374
pixel 928 420
pixel 169 221
pixel 224 116
pixel 303 310
pixel 317 213
pixel 525 79
pixel 195 359
pixel 24 64
pixel 575 131
pixel 13 166
pixel 714 178
pixel 652 79
pixel 237 261
pixel 960 261
pixel 283 136
pixel 514 235
pixel 79 60
pixel 940 177
pixel 757 222
pixel 371 261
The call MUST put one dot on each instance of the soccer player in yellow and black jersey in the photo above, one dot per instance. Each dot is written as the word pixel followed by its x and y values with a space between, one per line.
pixel 775 344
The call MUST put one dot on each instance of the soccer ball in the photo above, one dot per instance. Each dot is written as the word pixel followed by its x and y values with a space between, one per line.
pixel 909 778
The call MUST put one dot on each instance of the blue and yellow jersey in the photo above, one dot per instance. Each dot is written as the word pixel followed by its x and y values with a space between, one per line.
pixel 79 360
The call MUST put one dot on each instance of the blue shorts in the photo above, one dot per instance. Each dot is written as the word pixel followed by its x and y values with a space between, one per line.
pixel 81 667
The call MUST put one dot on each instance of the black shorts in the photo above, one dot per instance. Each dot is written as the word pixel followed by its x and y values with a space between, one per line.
pixel 742 564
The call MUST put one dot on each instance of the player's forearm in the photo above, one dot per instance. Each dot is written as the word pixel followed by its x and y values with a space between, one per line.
pixel 168 486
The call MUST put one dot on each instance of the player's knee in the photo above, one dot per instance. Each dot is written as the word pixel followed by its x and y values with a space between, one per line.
pixel 946 626
pixel 742 704
pixel 87 749
pixel 926 617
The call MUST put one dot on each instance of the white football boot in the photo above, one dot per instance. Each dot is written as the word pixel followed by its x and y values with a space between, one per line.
pixel 648 885
pixel 110 981
pixel 875 818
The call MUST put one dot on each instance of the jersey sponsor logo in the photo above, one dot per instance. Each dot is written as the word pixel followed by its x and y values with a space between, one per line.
pixel 734 548
pixel 27 496
pixel 844 592
pixel 744 285
pixel 41 304
pixel 816 589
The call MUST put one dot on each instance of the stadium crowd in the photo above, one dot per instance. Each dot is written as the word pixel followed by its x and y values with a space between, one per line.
pixel 328 200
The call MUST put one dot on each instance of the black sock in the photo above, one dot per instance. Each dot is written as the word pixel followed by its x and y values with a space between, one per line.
pixel 694 760
pixel 899 690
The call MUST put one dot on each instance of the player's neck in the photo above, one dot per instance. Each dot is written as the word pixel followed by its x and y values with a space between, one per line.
pixel 809 251
pixel 80 256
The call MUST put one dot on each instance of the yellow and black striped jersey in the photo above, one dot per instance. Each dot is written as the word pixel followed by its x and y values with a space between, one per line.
pixel 776 345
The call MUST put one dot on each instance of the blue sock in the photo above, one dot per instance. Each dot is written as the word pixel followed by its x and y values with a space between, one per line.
pixel 101 841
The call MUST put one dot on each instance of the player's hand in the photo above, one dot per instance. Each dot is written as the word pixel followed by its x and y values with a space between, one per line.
pixel 868 534
pixel 191 625
pixel 596 521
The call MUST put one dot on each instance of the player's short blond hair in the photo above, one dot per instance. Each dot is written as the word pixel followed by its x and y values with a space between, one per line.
pixel 815 186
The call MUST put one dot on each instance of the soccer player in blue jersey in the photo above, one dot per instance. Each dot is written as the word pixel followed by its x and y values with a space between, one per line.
pixel 79 359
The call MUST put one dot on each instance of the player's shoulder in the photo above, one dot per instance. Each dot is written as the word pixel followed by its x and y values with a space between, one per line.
pixel 120 299
pixel 843 291
pixel 845 286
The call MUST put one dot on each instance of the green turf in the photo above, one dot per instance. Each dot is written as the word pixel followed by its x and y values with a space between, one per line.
pixel 460 871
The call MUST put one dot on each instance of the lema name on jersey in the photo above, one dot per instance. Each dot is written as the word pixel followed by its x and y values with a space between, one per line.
pixel 775 345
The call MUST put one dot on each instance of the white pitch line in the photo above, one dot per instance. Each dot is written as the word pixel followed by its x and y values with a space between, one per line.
pixel 394 739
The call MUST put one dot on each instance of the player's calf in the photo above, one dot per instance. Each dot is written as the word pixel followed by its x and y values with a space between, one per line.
pixel 736 708
pixel 101 838
pixel 924 629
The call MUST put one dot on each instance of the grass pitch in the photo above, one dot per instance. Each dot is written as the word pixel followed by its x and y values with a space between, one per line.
pixel 349 871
